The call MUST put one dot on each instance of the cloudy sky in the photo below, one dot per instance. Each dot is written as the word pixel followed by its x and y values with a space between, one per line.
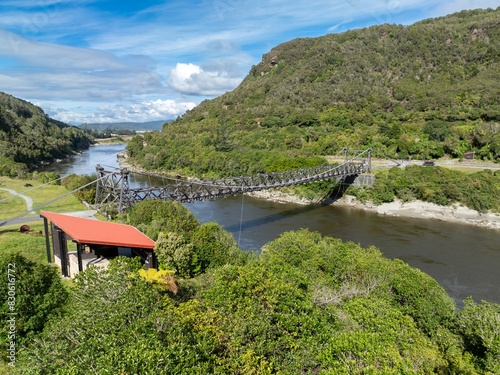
pixel 141 60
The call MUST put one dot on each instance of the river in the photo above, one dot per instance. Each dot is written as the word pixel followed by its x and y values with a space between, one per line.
pixel 464 259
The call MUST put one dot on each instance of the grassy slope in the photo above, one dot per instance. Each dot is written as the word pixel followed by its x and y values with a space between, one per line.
pixel 30 245
pixel 16 206
pixel 423 91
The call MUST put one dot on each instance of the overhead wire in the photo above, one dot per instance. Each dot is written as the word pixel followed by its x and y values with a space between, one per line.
pixel 51 201
pixel 28 190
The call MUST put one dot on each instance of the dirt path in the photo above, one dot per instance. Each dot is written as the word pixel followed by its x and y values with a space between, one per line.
pixel 28 200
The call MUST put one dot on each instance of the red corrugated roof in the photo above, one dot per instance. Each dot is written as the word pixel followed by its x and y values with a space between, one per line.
pixel 96 232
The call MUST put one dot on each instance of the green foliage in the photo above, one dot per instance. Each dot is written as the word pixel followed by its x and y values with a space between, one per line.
pixel 286 164
pixel 153 216
pixel 479 191
pixel 75 181
pixel 213 247
pixel 10 168
pixel 268 322
pixel 420 297
pixel 422 91
pixel 46 177
pixel 182 244
pixel 378 338
pixel 437 130
pixel 31 294
pixel 309 304
pixel 28 137
pixel 174 253
pixel 352 271
pixel 108 326
pixel 479 324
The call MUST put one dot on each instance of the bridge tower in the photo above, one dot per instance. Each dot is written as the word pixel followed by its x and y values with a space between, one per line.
pixel 367 161
pixel 112 187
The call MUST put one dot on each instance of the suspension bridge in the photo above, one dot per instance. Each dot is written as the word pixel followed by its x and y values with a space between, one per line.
pixel 113 186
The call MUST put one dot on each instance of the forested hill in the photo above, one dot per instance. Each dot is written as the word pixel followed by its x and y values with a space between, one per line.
pixel 28 136
pixel 420 91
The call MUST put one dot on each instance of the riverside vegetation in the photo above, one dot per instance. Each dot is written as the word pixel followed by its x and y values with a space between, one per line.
pixel 306 305
pixel 28 137
pixel 423 91
pixel 427 90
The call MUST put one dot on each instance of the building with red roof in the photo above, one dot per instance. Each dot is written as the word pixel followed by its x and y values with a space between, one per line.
pixel 96 242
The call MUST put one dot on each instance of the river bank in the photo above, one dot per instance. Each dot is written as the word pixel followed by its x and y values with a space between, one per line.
pixel 455 213
pixel 415 209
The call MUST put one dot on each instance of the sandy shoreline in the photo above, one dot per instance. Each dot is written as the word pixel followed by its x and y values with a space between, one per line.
pixel 415 209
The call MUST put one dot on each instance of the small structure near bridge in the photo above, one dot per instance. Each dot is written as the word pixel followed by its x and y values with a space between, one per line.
pixel 96 242
pixel 469 155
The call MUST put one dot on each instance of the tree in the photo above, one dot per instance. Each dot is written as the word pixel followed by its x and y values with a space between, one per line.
pixel 110 324
pixel 31 295
pixel 175 253
pixel 74 181
pixel 154 216
pixel 213 247
pixel 437 130
pixel 479 325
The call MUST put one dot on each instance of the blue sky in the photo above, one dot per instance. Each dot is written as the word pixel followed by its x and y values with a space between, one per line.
pixel 141 60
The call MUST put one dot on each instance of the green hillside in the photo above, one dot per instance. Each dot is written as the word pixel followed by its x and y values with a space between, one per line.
pixel 421 91
pixel 307 304
pixel 29 137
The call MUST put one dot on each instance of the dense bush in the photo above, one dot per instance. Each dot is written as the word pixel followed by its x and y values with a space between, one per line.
pixel 74 181
pixel 28 137
pixel 31 294
pixel 309 304
pixel 182 244
pixel 421 91
pixel 479 325
pixel 479 191
pixel 155 216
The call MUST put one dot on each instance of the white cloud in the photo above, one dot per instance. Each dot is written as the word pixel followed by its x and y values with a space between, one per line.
pixel 136 112
pixel 193 80
pixel 57 50
pixel 55 72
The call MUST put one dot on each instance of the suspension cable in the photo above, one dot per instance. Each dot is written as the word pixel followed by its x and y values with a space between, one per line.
pixel 27 190
pixel 51 201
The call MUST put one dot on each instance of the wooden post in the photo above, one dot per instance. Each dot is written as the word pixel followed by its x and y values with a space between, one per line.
pixel 79 250
pixel 61 237
pixel 47 241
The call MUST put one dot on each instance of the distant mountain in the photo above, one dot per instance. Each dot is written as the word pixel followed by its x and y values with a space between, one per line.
pixel 28 137
pixel 422 91
pixel 101 126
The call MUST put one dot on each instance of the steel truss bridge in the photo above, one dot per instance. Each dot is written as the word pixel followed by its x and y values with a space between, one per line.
pixel 113 186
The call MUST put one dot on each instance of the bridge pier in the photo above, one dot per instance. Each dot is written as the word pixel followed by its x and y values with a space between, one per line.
pixel 364 180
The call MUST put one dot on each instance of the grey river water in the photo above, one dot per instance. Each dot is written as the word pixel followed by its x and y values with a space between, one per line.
pixel 464 259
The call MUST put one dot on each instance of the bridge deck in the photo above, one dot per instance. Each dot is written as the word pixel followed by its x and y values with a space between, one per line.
pixel 113 187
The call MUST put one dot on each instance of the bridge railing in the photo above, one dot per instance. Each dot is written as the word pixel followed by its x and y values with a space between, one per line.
pixel 115 188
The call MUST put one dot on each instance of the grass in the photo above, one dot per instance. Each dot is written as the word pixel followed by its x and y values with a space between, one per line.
pixel 42 195
pixel 11 206
pixel 31 245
